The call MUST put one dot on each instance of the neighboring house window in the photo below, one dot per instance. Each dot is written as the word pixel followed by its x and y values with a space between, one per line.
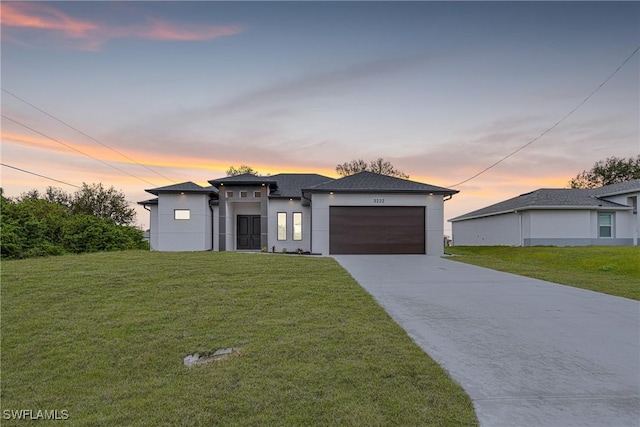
pixel 181 214
pixel 243 194
pixel 282 226
pixel 229 194
pixel 605 225
pixel 297 226
pixel 257 194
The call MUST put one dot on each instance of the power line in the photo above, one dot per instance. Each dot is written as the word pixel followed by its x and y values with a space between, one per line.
pixel 554 125
pixel 85 134
pixel 41 176
pixel 75 149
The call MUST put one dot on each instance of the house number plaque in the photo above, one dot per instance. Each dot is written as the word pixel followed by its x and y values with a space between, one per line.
pixel 378 201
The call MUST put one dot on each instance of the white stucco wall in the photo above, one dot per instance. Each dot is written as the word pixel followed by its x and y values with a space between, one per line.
pixel 497 230
pixel 193 234
pixel 289 207
pixel 434 212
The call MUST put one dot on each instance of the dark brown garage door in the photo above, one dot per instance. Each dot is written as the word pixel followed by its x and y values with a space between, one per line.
pixel 376 230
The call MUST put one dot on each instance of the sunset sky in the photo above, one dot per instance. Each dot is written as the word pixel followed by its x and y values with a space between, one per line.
pixel 440 89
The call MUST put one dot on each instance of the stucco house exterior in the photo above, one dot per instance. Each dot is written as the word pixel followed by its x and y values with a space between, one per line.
pixel 358 214
pixel 556 217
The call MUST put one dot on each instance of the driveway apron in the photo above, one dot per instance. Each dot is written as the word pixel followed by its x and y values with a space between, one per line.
pixel 528 352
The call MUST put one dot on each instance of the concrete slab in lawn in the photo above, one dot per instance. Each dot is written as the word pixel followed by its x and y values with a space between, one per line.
pixel 528 352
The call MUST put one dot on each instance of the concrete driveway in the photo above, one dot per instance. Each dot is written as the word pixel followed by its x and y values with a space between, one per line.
pixel 528 352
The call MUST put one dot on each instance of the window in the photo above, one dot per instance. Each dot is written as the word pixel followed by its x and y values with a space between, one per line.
pixel 243 194
pixel 181 214
pixel 297 226
pixel 282 226
pixel 605 225
pixel 257 194
pixel 229 194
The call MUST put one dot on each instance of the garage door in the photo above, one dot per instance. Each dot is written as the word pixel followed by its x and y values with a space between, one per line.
pixel 376 230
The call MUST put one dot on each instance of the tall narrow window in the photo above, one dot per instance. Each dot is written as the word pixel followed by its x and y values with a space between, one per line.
pixel 181 214
pixel 297 226
pixel 605 225
pixel 282 226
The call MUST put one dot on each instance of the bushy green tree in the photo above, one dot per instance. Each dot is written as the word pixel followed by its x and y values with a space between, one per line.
pixel 612 170
pixel 233 171
pixel 55 223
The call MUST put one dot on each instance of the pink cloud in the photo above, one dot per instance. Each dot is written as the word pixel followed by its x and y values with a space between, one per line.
pixel 89 35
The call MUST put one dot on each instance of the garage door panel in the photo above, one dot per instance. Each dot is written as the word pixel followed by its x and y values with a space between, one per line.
pixel 377 230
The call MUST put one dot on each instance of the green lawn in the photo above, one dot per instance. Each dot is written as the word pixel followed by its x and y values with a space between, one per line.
pixel 610 270
pixel 103 337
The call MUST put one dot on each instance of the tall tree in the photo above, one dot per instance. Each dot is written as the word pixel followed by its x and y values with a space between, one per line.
pixel 380 166
pixel 104 203
pixel 609 171
pixel 233 171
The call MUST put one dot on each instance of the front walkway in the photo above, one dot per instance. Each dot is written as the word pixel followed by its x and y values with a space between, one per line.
pixel 528 352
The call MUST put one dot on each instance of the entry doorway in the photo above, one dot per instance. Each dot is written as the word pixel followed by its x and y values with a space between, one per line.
pixel 248 232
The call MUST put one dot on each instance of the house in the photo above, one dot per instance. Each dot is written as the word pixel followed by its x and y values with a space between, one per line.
pixel 365 213
pixel 556 217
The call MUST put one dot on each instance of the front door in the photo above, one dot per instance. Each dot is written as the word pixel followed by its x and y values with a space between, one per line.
pixel 248 233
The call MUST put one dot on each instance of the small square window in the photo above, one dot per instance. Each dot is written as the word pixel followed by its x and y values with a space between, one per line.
pixel 257 194
pixel 181 214
pixel 229 194
pixel 243 194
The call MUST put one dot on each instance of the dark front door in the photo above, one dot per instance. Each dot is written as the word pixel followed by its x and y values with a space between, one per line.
pixel 248 232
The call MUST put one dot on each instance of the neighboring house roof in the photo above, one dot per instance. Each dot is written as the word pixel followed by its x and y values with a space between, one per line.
pixel 369 182
pixel 620 188
pixel 243 179
pixel 290 185
pixel 184 187
pixel 558 198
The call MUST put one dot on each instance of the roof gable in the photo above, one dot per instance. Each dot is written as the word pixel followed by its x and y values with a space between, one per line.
pixel 242 179
pixel 366 181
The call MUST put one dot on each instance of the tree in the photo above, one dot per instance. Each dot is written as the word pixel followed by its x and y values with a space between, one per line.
pixel 233 171
pixel 606 172
pixel 104 203
pixel 379 166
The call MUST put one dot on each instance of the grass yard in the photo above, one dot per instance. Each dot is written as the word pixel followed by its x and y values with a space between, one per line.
pixel 103 337
pixel 610 270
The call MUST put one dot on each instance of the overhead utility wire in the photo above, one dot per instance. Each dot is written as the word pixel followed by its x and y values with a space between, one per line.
pixel 85 134
pixel 75 149
pixel 553 126
pixel 41 176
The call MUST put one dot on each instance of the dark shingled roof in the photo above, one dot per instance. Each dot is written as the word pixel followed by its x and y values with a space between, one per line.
pixel 620 188
pixel 558 198
pixel 243 179
pixel 184 187
pixel 149 202
pixel 290 185
pixel 369 182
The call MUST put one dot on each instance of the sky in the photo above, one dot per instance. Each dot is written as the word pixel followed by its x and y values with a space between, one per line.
pixel 168 92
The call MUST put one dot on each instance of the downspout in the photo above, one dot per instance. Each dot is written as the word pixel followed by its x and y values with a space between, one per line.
pixel 521 243
pixel 213 234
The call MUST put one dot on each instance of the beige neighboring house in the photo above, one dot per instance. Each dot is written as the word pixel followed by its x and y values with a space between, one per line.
pixel 606 216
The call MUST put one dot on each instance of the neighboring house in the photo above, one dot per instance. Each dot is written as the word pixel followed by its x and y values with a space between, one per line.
pixel 556 217
pixel 358 214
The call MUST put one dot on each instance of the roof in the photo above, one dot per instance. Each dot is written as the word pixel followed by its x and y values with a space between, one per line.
pixel 558 198
pixel 184 187
pixel 149 202
pixel 631 186
pixel 290 185
pixel 369 182
pixel 242 179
